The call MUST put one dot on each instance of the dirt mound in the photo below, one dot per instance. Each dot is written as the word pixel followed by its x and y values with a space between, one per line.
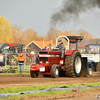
pixel 25 80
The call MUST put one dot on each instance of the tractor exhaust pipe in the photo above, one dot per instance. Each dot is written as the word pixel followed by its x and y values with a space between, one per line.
pixel 49 46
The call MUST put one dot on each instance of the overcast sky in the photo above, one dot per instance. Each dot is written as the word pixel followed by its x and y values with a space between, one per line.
pixel 35 14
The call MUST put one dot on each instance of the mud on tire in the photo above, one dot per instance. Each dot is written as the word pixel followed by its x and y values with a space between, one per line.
pixel 33 74
pixel 54 71
pixel 73 64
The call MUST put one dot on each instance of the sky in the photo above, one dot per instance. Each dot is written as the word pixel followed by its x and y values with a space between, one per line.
pixel 35 14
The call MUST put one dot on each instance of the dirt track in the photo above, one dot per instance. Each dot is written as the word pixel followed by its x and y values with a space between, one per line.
pixel 17 80
pixel 26 80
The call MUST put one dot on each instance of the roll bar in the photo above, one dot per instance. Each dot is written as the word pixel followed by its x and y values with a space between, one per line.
pixel 63 37
pixel 70 39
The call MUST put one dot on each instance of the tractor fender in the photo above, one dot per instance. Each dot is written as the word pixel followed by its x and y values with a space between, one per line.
pixel 70 52
pixel 37 67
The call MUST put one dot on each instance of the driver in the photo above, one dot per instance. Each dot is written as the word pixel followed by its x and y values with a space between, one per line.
pixel 61 46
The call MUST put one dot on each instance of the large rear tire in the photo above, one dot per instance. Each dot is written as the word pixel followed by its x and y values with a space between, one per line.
pixel 98 67
pixel 54 71
pixel 33 74
pixel 73 64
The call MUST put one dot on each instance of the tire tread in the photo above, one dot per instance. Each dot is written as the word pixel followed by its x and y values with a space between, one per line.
pixel 69 64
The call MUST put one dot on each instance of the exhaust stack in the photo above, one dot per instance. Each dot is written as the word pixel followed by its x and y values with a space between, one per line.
pixel 49 46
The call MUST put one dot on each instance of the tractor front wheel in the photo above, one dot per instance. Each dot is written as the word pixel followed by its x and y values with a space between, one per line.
pixel 54 71
pixel 73 64
pixel 89 71
pixel 33 74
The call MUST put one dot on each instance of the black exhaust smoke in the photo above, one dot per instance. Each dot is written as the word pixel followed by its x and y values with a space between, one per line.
pixel 71 9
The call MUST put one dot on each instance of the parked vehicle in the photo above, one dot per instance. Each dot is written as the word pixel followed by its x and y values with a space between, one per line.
pixel 92 53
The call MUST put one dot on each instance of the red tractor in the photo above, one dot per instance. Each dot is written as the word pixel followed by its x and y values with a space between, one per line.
pixel 50 62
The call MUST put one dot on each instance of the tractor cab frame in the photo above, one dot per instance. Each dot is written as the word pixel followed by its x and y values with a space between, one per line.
pixel 71 39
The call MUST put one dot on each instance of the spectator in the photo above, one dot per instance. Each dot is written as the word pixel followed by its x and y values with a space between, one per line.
pixel 44 48
pixel 37 59
pixel 22 61
pixel 1 60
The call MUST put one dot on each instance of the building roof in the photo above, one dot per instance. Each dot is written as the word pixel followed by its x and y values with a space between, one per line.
pixel 42 44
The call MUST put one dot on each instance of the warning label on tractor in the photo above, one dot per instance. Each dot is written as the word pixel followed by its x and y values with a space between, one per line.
pixel 91 57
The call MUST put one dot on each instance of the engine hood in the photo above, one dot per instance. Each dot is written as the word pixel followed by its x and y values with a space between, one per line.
pixel 50 52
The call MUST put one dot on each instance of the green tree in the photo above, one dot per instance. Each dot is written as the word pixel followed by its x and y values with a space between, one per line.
pixel 5 30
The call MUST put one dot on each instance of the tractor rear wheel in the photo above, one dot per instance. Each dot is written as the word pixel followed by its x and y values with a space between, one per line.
pixel 73 64
pixel 33 74
pixel 98 67
pixel 54 71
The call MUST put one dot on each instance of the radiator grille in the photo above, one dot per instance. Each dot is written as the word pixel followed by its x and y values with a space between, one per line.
pixel 43 52
pixel 44 59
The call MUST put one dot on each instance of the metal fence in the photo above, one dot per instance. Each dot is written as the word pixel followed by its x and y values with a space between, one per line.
pixel 10 60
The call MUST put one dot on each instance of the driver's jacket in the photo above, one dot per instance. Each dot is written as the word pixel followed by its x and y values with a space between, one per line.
pixel 61 47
